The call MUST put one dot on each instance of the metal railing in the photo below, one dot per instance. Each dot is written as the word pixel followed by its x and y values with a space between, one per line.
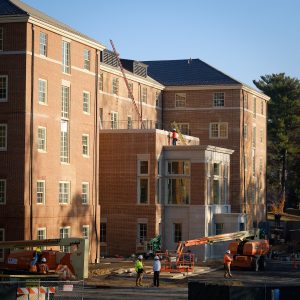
pixel 130 124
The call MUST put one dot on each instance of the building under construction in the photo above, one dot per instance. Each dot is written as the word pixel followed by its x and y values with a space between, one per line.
pixel 81 129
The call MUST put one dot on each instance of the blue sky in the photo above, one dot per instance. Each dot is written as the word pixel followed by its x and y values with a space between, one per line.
pixel 243 38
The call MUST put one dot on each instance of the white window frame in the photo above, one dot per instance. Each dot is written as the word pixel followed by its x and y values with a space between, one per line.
pixel 3 181
pixel 157 98
pixel 115 86
pixel 129 122
pixel 180 100
pixel 2 250
pixel 65 101
pixel 86 102
pixel 1 38
pixel 5 88
pixel 86 59
pixel 114 120
pixel 85 194
pixel 100 82
pixel 219 99
pixel 66 57
pixel 85 140
pixel 84 228
pixel 64 142
pixel 139 167
pixel 43 91
pixel 183 130
pixel 254 107
pixel 219 124
pixel 144 95
pixel 43 43
pixel 62 193
pixel 42 192
pixel 62 235
pixel 4 146
pixel 245 132
pixel 141 239
pixel 41 229
pixel 42 142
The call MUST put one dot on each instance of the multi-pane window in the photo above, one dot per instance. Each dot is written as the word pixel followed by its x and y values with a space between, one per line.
pixel 42 91
pixel 100 82
pixel 261 135
pixel 253 163
pixel 143 167
pixel 85 231
pixel 85 192
pixel 177 228
pixel 260 166
pixel 86 102
pixel 219 228
pixel 142 232
pixel 102 232
pixel 85 145
pixel 218 130
pixel 245 132
pixel 2 191
pixel 3 88
pixel 157 99
pixel 41 234
pixel 66 59
pixel 86 59
pixel 65 101
pixel 40 192
pixel 246 101
pixel 64 192
pixel 3 137
pixel 115 86
pixel 1 38
pixel 254 137
pixel 219 99
pixel 143 181
pixel 129 122
pixel 64 141
pixel 180 100
pixel 114 120
pixel 42 144
pixel 130 89
pixel 65 232
pixel 2 239
pixel 262 107
pixel 183 127
pixel 144 94
pixel 254 107
pixel 43 43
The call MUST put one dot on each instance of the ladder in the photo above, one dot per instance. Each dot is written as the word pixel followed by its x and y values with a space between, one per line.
pixel 175 125
pixel 127 85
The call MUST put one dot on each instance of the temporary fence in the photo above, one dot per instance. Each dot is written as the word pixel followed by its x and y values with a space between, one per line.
pixel 41 290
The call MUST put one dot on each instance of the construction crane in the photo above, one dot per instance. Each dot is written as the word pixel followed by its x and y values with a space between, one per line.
pixel 127 85
pixel 175 125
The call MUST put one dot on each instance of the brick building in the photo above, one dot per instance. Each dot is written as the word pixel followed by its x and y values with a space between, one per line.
pixel 62 92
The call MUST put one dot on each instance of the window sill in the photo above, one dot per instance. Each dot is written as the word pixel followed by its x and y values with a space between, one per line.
pixel 42 151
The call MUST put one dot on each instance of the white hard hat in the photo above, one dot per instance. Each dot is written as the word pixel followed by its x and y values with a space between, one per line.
pixel 140 257
pixel 156 257
pixel 44 259
pixel 228 251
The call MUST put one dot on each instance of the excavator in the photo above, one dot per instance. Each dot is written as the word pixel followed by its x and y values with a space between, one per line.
pixel 247 248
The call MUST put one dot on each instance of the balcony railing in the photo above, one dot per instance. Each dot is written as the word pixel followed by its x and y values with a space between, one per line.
pixel 146 124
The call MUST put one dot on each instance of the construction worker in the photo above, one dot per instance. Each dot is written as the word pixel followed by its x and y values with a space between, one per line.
pixel 227 263
pixel 32 266
pixel 174 136
pixel 139 270
pixel 43 267
pixel 156 271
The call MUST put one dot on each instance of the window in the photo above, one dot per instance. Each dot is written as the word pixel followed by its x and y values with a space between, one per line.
pixel 85 192
pixel 216 167
pixel 184 128
pixel 261 135
pixel 115 86
pixel 129 122
pixel 179 167
pixel 65 232
pixel 2 191
pixel 157 99
pixel 260 166
pixel 2 239
pixel 216 191
pixel 65 101
pixel 101 82
pixel 245 101
pixel 3 137
pixel 86 102
pixel 85 145
pixel 144 94
pixel 42 139
pixel 1 38
pixel 40 192
pixel 143 167
pixel 262 107
pixel 102 232
pixel 180 100
pixel 219 99
pixel 86 59
pixel 114 120
pixel 43 43
pixel 177 232
pixel 86 231
pixel 41 234
pixel 130 89
pixel 42 91
pixel 245 133
pixel 3 88
pixel 253 163
pixel 219 228
pixel 142 232
pixel 254 107
pixel 254 137
pixel 66 59
pixel 218 130
pixel 143 190
pixel 64 192
pixel 64 141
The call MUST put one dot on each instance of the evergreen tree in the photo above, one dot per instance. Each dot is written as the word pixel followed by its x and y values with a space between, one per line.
pixel 283 169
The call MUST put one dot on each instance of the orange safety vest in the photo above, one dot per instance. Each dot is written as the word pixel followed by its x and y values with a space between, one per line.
pixel 43 268
pixel 227 259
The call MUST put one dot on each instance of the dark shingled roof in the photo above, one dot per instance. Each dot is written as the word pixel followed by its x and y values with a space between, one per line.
pixel 18 8
pixel 187 72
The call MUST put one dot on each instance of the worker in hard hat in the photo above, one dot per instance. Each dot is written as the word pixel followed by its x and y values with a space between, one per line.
pixel 43 267
pixel 156 271
pixel 227 263
pixel 174 136
pixel 139 270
